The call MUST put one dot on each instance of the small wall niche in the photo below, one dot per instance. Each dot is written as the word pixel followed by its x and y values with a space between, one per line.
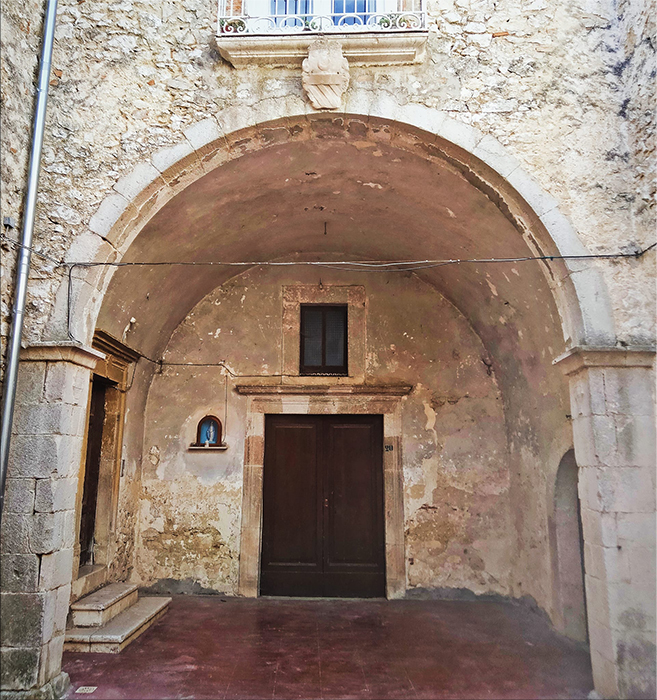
pixel 209 435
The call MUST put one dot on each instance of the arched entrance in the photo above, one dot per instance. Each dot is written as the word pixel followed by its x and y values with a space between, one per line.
pixel 332 189
pixel 348 188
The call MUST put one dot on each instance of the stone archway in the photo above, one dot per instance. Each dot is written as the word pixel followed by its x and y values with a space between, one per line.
pixel 571 297
pixel 581 296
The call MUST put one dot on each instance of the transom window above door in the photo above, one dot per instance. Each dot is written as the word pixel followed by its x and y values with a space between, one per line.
pixel 320 16
pixel 323 339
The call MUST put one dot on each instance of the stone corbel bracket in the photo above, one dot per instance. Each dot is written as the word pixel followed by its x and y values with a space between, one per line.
pixel 325 74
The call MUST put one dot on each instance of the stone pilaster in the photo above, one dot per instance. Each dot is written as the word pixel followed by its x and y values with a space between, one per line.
pixel 38 524
pixel 613 409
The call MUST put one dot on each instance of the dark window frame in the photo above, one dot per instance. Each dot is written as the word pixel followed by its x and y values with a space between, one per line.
pixel 324 369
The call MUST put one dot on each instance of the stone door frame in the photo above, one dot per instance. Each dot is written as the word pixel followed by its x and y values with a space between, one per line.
pixel 314 399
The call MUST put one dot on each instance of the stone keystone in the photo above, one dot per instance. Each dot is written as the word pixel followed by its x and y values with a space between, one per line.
pixel 325 74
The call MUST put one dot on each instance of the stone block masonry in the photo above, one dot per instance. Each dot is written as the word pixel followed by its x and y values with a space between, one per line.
pixel 38 526
pixel 612 399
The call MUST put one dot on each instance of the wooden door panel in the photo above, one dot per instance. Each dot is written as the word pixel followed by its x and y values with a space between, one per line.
pixel 291 531
pixel 323 506
pixel 353 515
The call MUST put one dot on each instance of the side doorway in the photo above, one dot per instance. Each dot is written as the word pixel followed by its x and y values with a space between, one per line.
pixel 100 472
pixel 101 402
pixel 323 518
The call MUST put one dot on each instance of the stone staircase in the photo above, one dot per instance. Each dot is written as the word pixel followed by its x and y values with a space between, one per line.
pixel 107 620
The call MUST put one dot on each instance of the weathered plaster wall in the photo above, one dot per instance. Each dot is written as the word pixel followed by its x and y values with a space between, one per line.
pixel 123 546
pixel 458 528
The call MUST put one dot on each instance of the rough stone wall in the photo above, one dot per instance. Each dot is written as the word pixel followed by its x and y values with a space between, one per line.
pixel 636 67
pixel 458 530
pixel 20 31
pixel 130 76
pixel 631 65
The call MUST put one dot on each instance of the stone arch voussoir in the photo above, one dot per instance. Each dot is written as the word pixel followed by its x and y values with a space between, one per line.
pixel 580 292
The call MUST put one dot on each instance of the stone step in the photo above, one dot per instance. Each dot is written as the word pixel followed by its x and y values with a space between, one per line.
pixel 120 631
pixel 99 608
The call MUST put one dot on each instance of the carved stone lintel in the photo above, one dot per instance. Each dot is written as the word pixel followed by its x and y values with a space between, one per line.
pixel 325 74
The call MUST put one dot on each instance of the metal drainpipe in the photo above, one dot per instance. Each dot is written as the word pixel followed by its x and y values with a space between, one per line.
pixel 23 268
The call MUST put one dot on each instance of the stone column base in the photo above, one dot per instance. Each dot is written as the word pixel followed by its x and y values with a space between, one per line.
pixel 52 690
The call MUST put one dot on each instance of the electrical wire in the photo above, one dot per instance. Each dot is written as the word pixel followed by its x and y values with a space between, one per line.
pixel 34 251
pixel 377 265
pixel 229 371
pixel 346 265
pixel 342 265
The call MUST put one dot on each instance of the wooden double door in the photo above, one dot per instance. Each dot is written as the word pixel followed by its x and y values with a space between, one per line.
pixel 323 525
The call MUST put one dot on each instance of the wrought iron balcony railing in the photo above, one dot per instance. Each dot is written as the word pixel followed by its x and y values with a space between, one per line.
pixel 239 17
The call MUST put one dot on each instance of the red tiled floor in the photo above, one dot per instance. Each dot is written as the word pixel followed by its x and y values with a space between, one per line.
pixel 276 648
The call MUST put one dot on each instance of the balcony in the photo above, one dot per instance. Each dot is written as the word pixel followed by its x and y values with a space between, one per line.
pixel 258 17
pixel 278 32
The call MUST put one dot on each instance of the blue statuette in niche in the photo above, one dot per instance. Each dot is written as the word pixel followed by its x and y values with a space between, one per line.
pixel 209 432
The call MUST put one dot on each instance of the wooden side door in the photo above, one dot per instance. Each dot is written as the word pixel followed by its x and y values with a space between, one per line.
pixel 323 532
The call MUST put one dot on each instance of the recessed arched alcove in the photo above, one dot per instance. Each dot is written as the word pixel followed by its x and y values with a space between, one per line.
pixel 365 189
pixel 569 550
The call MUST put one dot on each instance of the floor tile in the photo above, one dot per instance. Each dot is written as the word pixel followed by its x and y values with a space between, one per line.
pixel 292 649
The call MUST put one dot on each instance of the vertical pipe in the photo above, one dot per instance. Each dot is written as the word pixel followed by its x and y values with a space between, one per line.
pixel 23 267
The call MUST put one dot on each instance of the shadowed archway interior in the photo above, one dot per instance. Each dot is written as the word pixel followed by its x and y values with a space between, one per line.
pixel 369 191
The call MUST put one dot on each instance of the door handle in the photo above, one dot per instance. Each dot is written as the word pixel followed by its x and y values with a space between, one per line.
pixel 326 503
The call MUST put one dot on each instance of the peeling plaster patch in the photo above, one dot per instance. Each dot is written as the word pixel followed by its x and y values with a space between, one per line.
pixel 154 455
pixel 431 417
pixel 189 533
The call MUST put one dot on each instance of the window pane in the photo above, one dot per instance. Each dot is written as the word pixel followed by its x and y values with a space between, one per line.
pixel 335 337
pixel 290 7
pixel 311 327
pixel 342 7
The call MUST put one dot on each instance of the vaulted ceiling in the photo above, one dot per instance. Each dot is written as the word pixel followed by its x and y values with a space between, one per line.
pixel 337 199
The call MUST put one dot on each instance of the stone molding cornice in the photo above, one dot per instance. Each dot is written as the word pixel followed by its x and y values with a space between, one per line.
pixel 581 357
pixel 379 49
pixel 74 353
pixel 383 390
